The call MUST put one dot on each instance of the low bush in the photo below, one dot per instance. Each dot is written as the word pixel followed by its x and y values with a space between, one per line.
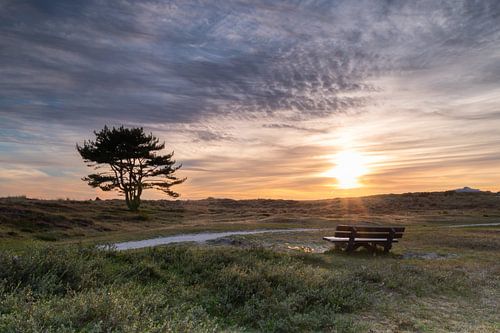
pixel 174 289
pixel 202 289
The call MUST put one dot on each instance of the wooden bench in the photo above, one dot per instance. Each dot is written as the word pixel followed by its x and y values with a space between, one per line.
pixel 350 237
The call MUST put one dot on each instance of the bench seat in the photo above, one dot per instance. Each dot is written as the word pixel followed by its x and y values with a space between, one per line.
pixel 345 240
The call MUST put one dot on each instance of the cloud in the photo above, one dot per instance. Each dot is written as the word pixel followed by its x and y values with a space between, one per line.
pixel 247 77
pixel 7 175
pixel 180 62
pixel 152 61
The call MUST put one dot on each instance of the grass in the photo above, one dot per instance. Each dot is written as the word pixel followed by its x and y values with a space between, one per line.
pixel 174 288
pixel 214 288
pixel 53 280
pixel 200 288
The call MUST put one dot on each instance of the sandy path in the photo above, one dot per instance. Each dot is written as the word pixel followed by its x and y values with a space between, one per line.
pixel 473 225
pixel 198 238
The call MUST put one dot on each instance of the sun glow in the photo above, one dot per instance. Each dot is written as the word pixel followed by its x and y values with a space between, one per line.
pixel 349 167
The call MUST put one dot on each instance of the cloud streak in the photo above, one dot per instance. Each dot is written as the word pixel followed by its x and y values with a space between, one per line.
pixel 243 79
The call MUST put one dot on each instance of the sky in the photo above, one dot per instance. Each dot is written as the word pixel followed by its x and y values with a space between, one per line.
pixel 258 99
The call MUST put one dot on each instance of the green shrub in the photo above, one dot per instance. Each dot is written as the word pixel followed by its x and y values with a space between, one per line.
pixel 127 308
pixel 176 288
pixel 47 270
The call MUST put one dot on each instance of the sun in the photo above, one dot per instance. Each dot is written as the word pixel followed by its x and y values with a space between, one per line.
pixel 349 167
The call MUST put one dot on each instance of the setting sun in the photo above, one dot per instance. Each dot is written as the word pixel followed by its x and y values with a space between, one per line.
pixel 349 166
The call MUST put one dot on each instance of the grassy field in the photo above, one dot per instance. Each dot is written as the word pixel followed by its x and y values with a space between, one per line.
pixel 438 279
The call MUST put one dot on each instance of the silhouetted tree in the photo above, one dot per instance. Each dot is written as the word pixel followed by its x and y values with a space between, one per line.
pixel 131 161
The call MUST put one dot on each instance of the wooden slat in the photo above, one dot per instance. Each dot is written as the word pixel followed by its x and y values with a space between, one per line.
pixel 357 240
pixel 367 234
pixel 336 239
pixel 366 228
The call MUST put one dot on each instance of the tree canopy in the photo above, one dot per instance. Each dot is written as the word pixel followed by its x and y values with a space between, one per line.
pixel 128 161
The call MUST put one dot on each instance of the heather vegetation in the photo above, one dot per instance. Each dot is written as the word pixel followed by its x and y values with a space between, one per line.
pixel 173 289
pixel 192 288
pixel 438 279
pixel 23 219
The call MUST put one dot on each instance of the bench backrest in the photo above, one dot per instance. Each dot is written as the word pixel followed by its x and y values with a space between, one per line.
pixel 364 231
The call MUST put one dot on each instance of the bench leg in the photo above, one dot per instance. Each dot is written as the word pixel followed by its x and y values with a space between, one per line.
pixel 387 247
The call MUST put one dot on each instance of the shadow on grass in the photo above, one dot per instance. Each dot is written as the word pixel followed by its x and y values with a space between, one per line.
pixel 362 253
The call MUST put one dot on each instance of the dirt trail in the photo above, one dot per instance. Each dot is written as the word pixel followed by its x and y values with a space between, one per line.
pixel 473 225
pixel 199 238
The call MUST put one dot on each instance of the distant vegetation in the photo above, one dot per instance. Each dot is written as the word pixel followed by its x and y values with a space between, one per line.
pixel 53 220
pixel 131 163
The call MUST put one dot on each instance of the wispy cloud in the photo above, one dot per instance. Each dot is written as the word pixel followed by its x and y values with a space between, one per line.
pixel 228 83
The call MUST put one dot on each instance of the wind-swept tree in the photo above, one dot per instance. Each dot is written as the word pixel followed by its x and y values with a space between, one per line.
pixel 128 161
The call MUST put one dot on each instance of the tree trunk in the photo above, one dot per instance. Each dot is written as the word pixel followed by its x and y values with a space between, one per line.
pixel 133 201
pixel 127 199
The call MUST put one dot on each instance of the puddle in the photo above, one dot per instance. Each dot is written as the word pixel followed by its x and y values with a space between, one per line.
pixel 198 238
